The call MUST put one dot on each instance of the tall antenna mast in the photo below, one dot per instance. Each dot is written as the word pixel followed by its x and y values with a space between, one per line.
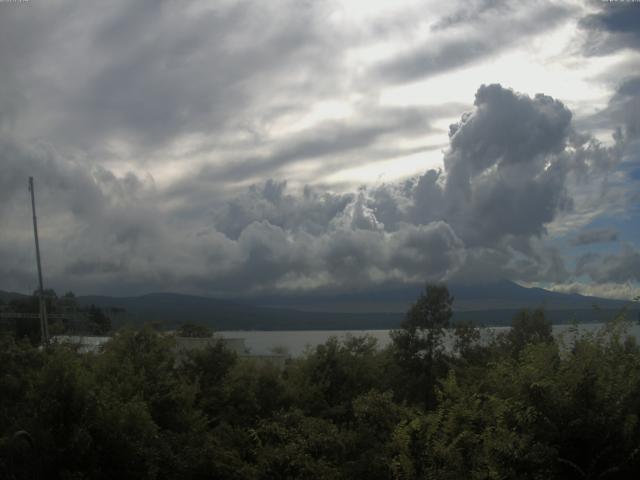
pixel 44 324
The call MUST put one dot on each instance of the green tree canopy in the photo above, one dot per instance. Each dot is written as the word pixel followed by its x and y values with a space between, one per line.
pixel 418 344
pixel 193 330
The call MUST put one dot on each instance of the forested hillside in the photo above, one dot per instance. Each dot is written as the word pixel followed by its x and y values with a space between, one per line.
pixel 492 304
pixel 524 405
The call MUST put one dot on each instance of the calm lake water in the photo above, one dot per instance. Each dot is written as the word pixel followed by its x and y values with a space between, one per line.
pixel 295 342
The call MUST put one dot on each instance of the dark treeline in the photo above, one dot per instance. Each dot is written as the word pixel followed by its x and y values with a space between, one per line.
pixel 522 405
pixel 76 318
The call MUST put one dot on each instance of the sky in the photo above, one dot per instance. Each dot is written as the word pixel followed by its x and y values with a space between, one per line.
pixel 235 148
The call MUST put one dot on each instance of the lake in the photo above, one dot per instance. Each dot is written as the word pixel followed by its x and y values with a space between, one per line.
pixel 296 341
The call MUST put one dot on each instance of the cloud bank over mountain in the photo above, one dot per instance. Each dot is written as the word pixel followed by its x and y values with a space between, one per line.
pixel 505 178
pixel 248 147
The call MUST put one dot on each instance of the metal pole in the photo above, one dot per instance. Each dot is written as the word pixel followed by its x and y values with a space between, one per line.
pixel 44 324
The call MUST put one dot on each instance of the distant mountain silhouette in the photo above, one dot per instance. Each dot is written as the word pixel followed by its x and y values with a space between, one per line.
pixel 171 309
pixel 489 304
pixel 6 297
pixel 500 295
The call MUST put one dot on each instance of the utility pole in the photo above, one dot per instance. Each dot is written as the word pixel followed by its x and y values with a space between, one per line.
pixel 44 324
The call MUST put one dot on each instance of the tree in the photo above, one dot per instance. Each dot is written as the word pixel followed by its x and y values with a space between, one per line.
pixel 208 369
pixel 370 451
pixel 528 327
pixel 292 445
pixel 99 322
pixel 68 301
pixel 418 344
pixel 330 377
pixel 193 330
pixel 467 339
pixel 27 327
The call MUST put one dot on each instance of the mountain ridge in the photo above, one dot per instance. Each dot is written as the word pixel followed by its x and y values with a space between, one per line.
pixel 489 304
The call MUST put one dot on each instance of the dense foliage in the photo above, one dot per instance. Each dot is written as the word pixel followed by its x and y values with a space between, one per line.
pixel 66 317
pixel 522 404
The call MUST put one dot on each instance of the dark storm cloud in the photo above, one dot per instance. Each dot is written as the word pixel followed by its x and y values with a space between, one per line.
pixel 84 267
pixel 622 113
pixel 619 267
pixel 589 237
pixel 624 107
pixel 189 77
pixel 507 128
pixel 150 72
pixel 504 181
pixel 472 11
pixel 432 252
pixel 100 77
pixel 107 233
pixel 310 212
pixel 614 27
pixel 455 47
pixel 528 261
pixel 621 116
pixel 19 162
pixel 506 178
pixel 504 171
pixel 91 221
pixel 330 138
pixel 483 216
pixel 134 81
pixel 433 60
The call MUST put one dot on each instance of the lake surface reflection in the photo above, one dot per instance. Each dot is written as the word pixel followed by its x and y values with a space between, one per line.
pixel 295 342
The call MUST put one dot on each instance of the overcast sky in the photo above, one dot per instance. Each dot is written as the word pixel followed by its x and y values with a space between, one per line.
pixel 240 147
